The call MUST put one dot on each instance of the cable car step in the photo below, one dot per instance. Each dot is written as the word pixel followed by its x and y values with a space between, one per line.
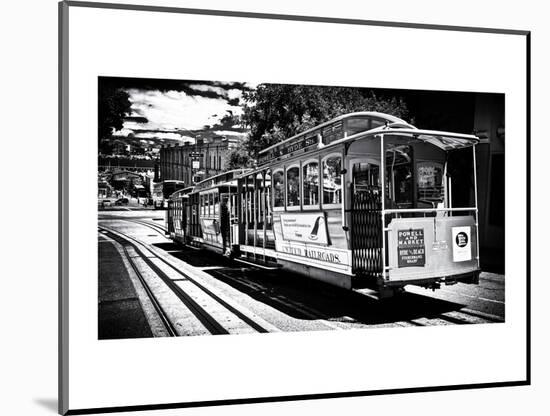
pixel 380 294
pixel 266 265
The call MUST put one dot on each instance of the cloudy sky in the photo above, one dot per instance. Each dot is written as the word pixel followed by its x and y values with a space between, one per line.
pixel 174 109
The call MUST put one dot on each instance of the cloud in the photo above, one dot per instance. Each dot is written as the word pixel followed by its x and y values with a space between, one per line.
pixel 179 109
pixel 124 132
pixel 228 133
pixel 164 135
pixel 172 109
pixel 234 93
pixel 218 91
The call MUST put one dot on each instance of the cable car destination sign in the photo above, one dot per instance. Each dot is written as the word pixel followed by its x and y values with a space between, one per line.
pixel 411 250
pixel 288 147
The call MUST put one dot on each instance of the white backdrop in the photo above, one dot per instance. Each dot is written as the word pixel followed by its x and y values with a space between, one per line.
pixel 30 282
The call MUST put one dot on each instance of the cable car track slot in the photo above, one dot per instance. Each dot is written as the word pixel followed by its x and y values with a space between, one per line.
pixel 202 315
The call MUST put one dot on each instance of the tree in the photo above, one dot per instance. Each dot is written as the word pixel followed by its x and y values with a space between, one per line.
pixel 239 156
pixel 274 112
pixel 114 106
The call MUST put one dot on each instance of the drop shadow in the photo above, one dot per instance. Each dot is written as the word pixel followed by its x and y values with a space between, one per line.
pixel 48 404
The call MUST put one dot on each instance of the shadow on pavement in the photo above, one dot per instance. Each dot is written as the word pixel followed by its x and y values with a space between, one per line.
pixel 283 290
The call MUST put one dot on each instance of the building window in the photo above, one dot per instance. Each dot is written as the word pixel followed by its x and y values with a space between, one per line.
pixel 332 180
pixel 293 186
pixel 311 183
pixel 278 189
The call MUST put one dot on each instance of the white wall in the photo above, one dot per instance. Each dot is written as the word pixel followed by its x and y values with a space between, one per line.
pixel 28 362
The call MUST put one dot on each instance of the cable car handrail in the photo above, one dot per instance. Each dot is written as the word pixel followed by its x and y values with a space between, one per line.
pixel 199 190
pixel 421 210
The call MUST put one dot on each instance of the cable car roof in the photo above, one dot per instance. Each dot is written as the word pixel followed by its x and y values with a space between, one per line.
pixel 389 118
pixel 222 179
pixel 441 139
pixel 181 192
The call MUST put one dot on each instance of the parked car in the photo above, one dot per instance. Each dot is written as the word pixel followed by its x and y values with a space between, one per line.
pixel 121 201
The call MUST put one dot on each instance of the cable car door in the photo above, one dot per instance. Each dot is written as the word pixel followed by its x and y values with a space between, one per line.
pixel 365 230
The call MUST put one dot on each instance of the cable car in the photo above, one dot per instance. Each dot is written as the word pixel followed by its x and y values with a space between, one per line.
pixel 365 201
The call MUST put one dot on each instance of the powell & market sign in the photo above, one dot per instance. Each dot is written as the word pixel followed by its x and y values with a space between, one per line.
pixel 411 250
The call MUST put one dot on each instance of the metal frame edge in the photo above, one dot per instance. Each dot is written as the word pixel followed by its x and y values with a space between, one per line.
pixel 63 208
pixel 63 204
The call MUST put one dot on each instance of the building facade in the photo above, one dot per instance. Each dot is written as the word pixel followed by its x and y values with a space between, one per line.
pixel 209 155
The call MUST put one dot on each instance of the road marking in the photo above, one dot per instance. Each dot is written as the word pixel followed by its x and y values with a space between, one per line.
pixel 465 318
pixel 470 296
pixel 483 314
pixel 430 321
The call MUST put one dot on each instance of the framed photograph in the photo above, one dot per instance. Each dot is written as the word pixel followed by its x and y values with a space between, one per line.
pixel 345 202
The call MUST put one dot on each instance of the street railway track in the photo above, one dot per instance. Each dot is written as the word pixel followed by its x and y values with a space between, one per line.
pixel 155 227
pixel 460 317
pixel 476 315
pixel 209 300
pixel 170 330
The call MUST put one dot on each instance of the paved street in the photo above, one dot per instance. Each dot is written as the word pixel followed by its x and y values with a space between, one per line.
pixel 148 286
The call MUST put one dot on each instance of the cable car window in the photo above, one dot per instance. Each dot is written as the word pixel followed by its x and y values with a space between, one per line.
pixel 293 186
pixel 278 189
pixel 216 203
pixel 260 198
pixel 366 177
pixel 243 202
pixel 375 122
pixel 399 176
pixel 332 132
pixel 251 202
pixel 212 204
pixel 332 180
pixel 429 184
pixel 268 215
pixel 311 183
pixel 356 125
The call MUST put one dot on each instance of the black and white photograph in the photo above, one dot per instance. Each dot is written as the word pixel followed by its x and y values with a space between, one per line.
pixel 346 200
pixel 239 208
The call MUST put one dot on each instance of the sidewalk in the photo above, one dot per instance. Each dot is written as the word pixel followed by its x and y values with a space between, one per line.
pixel 120 314
pixel 492 277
